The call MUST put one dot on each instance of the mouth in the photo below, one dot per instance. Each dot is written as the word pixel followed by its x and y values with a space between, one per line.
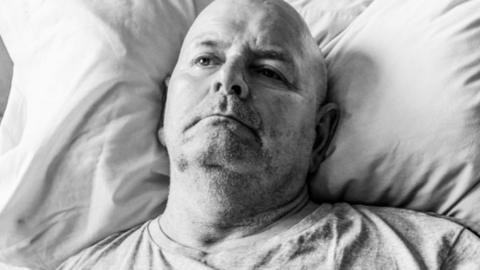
pixel 227 118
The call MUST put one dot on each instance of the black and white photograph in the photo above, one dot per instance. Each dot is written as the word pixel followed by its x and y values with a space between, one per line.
pixel 239 134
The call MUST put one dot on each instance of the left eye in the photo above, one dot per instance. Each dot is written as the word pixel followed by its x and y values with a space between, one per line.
pixel 269 73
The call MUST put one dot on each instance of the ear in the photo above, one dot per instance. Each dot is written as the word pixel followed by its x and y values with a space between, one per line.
pixel 166 81
pixel 327 120
pixel 161 135
pixel 160 132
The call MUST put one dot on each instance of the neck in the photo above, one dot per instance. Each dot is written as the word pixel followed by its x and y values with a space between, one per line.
pixel 202 214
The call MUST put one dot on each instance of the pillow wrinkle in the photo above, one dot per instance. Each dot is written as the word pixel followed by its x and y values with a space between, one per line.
pixel 409 136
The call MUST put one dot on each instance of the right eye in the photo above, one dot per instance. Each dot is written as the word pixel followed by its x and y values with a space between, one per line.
pixel 205 61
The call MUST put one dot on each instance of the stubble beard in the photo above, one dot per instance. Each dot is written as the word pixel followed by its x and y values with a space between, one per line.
pixel 233 174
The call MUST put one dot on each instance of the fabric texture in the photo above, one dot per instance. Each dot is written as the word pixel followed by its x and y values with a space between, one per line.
pixel 406 74
pixel 332 237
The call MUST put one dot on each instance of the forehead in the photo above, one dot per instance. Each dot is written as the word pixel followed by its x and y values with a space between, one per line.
pixel 255 23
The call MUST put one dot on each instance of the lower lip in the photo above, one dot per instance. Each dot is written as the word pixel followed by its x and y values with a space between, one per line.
pixel 235 126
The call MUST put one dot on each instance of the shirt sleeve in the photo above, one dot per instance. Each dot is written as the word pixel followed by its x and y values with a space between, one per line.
pixel 464 254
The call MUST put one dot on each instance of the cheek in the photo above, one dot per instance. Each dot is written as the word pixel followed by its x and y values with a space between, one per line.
pixel 289 132
pixel 184 93
pixel 287 118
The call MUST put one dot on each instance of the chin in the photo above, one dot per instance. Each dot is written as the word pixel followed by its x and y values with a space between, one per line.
pixel 237 159
pixel 227 152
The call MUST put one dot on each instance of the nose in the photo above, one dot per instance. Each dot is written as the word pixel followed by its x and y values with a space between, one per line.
pixel 231 81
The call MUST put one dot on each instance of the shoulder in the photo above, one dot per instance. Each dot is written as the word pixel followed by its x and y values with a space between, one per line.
pixel 119 247
pixel 464 253
pixel 417 227
pixel 407 218
pixel 398 237
pixel 400 219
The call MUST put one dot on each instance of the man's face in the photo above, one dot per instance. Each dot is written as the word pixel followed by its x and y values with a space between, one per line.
pixel 242 97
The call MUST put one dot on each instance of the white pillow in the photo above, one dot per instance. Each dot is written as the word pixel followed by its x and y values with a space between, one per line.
pixel 328 18
pixel 406 74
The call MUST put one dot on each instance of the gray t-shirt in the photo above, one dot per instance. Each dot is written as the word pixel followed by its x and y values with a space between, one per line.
pixel 334 236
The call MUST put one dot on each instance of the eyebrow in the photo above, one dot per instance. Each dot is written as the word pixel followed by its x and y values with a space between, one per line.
pixel 211 43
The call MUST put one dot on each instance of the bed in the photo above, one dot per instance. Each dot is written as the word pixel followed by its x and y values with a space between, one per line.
pixel 79 156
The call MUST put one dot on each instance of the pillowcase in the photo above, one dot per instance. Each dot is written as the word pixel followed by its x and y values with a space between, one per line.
pixel 79 158
pixel 328 18
pixel 406 74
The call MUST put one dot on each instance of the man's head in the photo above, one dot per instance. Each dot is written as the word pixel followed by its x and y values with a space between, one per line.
pixel 243 99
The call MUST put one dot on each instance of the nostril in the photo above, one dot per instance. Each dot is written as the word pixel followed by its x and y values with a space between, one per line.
pixel 237 89
pixel 217 86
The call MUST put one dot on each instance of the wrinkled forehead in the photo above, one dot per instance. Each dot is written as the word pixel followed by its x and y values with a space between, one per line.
pixel 262 22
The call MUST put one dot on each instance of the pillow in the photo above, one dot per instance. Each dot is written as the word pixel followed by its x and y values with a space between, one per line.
pixel 328 18
pixel 406 74
pixel 5 77
pixel 79 158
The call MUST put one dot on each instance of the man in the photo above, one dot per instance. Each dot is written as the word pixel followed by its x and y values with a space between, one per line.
pixel 245 121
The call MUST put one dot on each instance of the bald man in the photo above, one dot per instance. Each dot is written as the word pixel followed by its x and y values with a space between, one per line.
pixel 245 122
